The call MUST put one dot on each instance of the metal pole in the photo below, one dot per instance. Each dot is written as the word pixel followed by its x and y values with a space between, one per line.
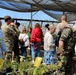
pixel 31 16
pixel 41 24
pixel 63 13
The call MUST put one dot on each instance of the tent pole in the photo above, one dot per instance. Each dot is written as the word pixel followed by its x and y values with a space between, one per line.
pixel 31 17
pixel 16 20
pixel 63 13
pixel 41 24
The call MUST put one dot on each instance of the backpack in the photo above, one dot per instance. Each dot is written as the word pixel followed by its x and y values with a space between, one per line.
pixel 21 42
pixel 59 35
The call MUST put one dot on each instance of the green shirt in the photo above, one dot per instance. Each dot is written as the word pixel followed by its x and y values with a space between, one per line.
pixel 28 34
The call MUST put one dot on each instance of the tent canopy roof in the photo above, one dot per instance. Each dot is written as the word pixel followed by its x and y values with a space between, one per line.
pixel 36 5
pixel 44 5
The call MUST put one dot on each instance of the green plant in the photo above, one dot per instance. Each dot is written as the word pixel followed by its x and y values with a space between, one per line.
pixel 25 66
pixel 53 67
pixel 11 67
pixel 40 70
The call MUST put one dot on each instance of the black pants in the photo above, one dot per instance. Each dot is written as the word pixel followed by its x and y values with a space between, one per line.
pixel 16 48
pixel 68 66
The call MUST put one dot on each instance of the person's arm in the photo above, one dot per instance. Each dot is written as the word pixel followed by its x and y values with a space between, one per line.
pixel 61 44
pixel 63 37
pixel 28 43
pixel 11 32
pixel 42 34
pixel 3 46
pixel 32 39
pixel 2 43
pixel 20 36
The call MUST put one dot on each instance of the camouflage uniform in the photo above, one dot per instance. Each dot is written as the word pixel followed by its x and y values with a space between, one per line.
pixel 16 41
pixel 68 49
pixel 9 36
pixel 16 30
pixel 74 34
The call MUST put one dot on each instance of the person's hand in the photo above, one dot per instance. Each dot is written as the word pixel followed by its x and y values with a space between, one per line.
pixel 57 50
pixel 4 53
pixel 61 53
pixel 42 47
pixel 30 43
pixel 28 48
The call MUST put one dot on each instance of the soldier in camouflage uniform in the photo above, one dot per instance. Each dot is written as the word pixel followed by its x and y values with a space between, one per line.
pixel 67 43
pixel 62 24
pixel 9 34
pixel 16 41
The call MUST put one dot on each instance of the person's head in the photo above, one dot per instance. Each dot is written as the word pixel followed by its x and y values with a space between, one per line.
pixel 7 19
pixel 52 28
pixel 12 24
pixel 46 26
pixel 17 24
pixel 24 30
pixel 64 17
pixel 37 25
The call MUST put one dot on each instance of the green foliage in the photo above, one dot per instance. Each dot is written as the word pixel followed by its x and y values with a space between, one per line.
pixel 25 67
pixel 7 64
pixel 28 67
pixel 39 71
pixel 63 59
pixel 54 67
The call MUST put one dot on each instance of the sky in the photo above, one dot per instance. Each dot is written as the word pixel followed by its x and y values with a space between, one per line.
pixel 27 15
pixel 39 15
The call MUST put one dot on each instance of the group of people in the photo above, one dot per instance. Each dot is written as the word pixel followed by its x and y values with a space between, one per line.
pixel 11 37
pixel 65 47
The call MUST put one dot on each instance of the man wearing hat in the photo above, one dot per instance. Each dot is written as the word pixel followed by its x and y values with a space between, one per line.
pixel 9 34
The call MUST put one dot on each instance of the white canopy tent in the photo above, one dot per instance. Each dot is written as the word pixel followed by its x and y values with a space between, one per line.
pixel 66 6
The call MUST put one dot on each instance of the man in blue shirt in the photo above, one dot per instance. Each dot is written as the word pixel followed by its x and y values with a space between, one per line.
pixel 3 49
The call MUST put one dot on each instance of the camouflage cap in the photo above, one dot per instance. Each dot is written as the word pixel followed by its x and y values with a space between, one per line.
pixel 6 18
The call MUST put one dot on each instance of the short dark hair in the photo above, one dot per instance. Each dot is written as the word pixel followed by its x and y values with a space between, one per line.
pixel 46 25
pixel 65 17
pixel 17 23
pixel 6 18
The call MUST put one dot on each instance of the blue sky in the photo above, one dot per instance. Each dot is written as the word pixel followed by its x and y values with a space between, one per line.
pixel 39 15
pixel 27 15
